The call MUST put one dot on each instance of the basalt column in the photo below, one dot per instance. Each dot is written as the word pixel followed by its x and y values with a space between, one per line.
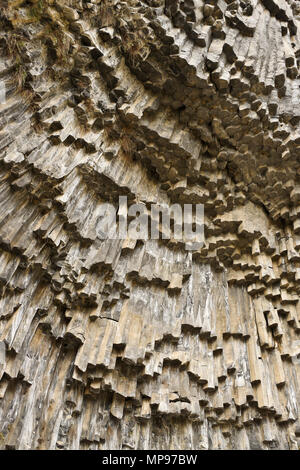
pixel 143 344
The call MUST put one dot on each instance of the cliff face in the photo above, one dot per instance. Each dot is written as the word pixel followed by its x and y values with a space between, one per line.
pixel 117 344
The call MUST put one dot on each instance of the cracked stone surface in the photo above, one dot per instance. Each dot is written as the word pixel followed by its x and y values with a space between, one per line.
pixel 125 344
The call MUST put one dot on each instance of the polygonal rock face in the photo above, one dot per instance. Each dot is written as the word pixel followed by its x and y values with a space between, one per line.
pixel 141 343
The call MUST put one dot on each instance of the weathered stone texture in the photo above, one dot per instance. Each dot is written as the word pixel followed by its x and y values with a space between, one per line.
pixel 142 345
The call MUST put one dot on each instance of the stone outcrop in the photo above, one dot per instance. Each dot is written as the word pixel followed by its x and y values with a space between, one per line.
pixel 123 344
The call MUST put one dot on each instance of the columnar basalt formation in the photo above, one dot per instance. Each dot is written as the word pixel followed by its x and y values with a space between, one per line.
pixel 124 344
